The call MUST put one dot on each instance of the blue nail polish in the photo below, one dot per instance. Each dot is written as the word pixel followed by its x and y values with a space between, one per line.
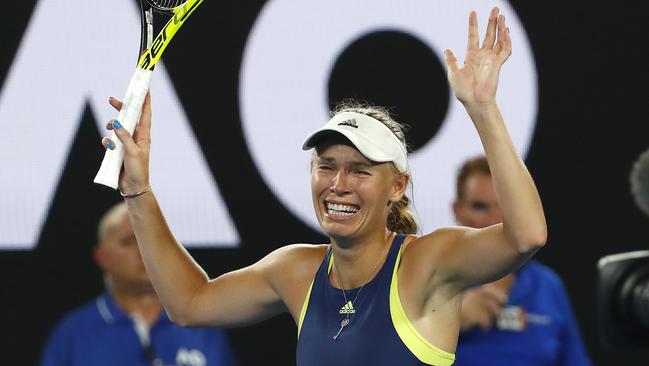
pixel 116 124
pixel 110 145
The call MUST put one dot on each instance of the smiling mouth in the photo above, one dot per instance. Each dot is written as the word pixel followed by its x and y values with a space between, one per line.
pixel 340 210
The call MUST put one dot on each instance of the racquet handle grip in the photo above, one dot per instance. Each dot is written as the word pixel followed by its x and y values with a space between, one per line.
pixel 129 115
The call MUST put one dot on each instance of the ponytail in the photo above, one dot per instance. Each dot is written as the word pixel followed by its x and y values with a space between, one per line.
pixel 401 219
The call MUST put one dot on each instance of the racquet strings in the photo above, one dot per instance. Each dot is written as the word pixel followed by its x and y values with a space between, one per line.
pixel 165 5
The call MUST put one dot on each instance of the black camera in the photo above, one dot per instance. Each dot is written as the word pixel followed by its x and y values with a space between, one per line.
pixel 623 294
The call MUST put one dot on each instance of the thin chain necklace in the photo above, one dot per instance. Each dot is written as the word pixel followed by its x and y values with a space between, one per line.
pixel 345 322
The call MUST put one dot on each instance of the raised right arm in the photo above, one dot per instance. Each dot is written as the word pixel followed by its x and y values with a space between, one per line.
pixel 189 296
pixel 243 296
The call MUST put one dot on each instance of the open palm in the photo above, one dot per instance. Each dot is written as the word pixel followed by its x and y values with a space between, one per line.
pixel 477 80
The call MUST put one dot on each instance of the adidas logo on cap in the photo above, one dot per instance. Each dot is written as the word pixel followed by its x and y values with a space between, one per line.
pixel 349 122
pixel 347 309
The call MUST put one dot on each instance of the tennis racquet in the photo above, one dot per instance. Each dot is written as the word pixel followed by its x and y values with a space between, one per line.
pixel 153 12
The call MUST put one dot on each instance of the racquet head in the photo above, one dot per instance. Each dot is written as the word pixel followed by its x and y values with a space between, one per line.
pixel 164 5
pixel 160 21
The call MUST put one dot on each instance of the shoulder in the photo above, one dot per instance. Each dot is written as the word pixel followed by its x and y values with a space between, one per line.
pixel 76 324
pixel 423 258
pixel 433 246
pixel 84 316
pixel 543 283
pixel 294 260
pixel 296 254
pixel 293 251
pixel 542 288
pixel 290 271
pixel 541 273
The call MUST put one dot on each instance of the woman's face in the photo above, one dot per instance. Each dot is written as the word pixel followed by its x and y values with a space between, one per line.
pixel 351 194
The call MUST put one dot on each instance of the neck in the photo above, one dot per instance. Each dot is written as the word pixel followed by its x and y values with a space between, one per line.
pixel 142 302
pixel 357 260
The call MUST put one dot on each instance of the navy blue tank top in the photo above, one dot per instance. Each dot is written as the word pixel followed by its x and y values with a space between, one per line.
pixel 378 333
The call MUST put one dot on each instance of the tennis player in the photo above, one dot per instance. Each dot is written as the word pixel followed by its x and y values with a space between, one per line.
pixel 376 294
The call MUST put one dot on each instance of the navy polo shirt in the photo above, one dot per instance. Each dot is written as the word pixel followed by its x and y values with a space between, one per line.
pixel 535 328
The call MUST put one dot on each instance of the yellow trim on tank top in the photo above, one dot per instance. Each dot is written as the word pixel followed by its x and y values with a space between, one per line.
pixel 305 305
pixel 418 345
pixel 303 311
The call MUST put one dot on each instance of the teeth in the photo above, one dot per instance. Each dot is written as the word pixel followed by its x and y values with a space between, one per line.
pixel 340 210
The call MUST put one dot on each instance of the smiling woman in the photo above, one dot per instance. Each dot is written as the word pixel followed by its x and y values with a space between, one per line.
pixel 374 294
pixel 379 138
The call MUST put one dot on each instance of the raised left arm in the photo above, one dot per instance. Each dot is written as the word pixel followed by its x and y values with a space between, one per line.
pixel 481 255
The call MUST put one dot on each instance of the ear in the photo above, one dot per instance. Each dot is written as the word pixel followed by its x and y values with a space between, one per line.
pixel 100 256
pixel 458 211
pixel 399 187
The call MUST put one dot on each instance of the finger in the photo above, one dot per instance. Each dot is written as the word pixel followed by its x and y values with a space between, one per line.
pixel 504 46
pixel 507 45
pixel 125 137
pixel 108 143
pixel 474 39
pixel 501 34
pixel 490 35
pixel 109 125
pixel 142 133
pixel 450 60
pixel 485 322
pixel 492 307
pixel 498 49
pixel 495 293
pixel 115 103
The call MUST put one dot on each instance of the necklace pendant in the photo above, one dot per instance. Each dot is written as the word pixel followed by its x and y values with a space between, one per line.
pixel 343 324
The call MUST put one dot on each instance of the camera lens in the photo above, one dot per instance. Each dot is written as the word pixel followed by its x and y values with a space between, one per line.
pixel 623 300
pixel 640 302
pixel 633 300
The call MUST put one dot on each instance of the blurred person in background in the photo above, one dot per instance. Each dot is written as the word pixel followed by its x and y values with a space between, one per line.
pixel 523 319
pixel 126 325
pixel 640 182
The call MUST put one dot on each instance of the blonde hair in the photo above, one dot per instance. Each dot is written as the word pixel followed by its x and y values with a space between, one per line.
pixel 401 218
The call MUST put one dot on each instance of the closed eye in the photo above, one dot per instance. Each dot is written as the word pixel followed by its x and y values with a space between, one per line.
pixel 479 206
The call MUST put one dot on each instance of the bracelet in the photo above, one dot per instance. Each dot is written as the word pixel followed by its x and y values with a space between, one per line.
pixel 135 194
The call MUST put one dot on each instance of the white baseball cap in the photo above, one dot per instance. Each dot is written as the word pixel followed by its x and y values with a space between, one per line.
pixel 370 136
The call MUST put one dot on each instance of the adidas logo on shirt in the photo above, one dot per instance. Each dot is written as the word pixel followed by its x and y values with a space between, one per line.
pixel 347 309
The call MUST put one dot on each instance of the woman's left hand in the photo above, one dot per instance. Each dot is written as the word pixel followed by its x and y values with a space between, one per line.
pixel 475 83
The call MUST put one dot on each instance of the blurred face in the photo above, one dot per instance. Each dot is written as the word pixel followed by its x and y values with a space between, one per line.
pixel 478 208
pixel 118 254
pixel 351 194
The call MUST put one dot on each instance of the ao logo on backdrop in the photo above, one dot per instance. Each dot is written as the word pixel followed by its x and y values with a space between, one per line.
pixel 286 65
pixel 73 55
pixel 288 61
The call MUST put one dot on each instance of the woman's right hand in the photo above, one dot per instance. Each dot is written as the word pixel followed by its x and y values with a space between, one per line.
pixel 134 176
